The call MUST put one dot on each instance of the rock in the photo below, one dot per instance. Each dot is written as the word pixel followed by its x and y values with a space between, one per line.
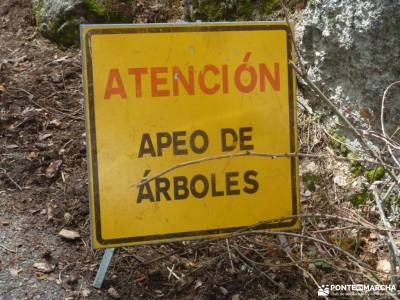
pixel 14 272
pixel 59 20
pixel 340 180
pixel 309 167
pixel 350 50
pixel 69 234
pixel 228 10
pixel 113 293
pixel 383 266
pixel 85 293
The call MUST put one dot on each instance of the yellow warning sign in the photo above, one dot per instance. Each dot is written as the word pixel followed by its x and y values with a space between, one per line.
pixel 177 119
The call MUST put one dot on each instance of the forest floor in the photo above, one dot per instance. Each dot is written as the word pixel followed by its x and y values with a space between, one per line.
pixel 43 189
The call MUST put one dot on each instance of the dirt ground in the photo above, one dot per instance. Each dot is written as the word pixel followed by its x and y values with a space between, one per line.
pixel 43 189
pixel 42 125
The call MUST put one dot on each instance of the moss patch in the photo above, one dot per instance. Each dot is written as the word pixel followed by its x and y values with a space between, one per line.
pixel 360 198
pixel 95 7
pixel 310 181
pixel 323 265
pixel 236 10
pixel 375 174
pixel 68 32
pixel 62 25
pixel 37 8
pixel 356 168
pixel 337 142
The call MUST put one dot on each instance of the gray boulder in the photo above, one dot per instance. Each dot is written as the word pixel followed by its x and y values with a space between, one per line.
pixel 59 20
pixel 351 49
pixel 230 10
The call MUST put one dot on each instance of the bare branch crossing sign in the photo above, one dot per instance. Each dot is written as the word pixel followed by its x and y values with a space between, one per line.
pixel 158 96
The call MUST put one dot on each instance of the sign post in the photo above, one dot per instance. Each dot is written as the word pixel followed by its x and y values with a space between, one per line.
pixel 159 96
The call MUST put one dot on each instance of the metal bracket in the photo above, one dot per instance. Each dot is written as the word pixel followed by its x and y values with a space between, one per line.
pixel 102 271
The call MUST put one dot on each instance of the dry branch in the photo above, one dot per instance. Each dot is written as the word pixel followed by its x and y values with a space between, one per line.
pixel 252 153
pixel 8 249
pixel 393 250
pixel 382 120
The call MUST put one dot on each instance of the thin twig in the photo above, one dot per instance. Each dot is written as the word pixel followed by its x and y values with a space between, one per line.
pixel 338 249
pixel 12 180
pixel 255 267
pixel 50 109
pixel 393 250
pixel 8 249
pixel 389 190
pixel 382 120
pixel 215 157
pixel 230 255
pixel 246 153
pixel 303 271
pixel 200 244
pixel 336 229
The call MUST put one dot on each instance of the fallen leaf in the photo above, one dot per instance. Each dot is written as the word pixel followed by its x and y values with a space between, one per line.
pixel 113 293
pixel 12 146
pixel 50 210
pixel 2 88
pixel 53 168
pixel 323 265
pixel 236 297
pixel 69 234
pixel 34 211
pixel 223 290
pixel 373 236
pixel 366 113
pixel 43 267
pixel 32 155
pixel 67 218
pixel 42 137
pixel 55 122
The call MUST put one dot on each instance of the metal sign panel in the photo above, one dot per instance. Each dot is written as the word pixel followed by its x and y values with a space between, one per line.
pixel 161 95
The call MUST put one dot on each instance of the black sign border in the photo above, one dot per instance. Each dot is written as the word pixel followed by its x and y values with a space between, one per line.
pixel 90 123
